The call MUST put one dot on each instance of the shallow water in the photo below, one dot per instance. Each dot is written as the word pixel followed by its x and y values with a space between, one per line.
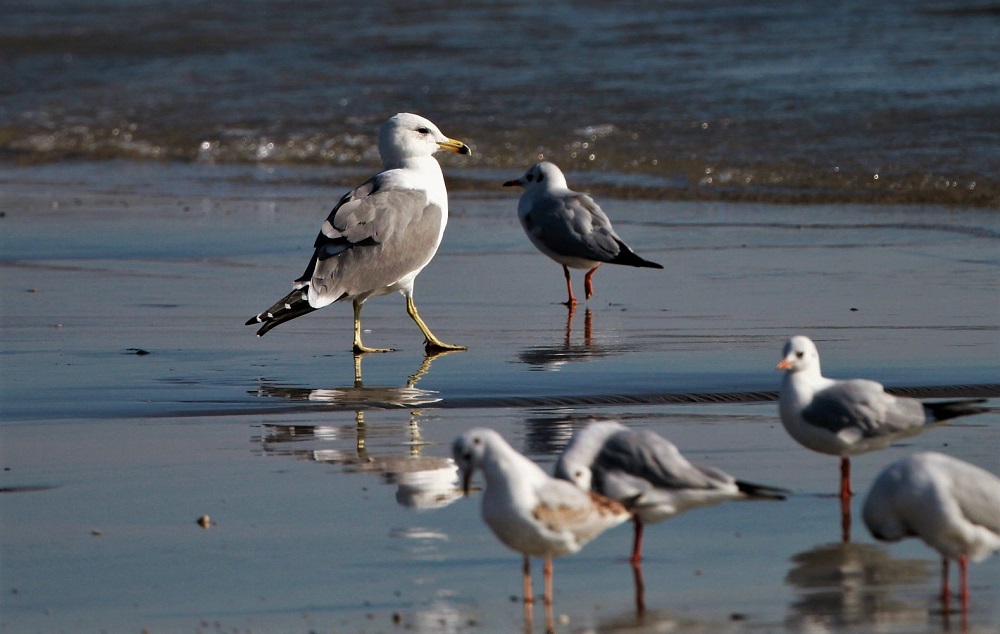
pixel 320 485
pixel 842 101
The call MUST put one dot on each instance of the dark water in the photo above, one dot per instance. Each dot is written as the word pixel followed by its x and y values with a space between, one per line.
pixel 848 100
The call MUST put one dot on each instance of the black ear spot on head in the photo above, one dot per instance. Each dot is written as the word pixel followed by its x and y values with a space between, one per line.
pixel 540 176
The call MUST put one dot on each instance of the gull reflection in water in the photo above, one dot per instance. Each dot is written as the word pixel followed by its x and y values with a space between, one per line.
pixel 422 482
pixel 552 358
pixel 845 586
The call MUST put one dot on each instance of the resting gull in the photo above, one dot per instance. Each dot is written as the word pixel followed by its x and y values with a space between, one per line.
pixel 953 506
pixel 647 474
pixel 381 234
pixel 569 227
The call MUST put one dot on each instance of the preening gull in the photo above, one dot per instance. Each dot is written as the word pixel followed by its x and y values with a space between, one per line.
pixel 953 506
pixel 647 474
pixel 381 234
pixel 527 509
pixel 569 227
pixel 849 417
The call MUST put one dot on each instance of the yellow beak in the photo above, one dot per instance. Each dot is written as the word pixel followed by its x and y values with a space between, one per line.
pixel 453 145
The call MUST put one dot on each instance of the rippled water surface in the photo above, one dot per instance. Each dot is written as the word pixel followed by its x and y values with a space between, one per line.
pixel 845 100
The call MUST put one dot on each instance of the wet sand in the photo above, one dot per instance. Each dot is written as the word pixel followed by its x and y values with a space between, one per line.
pixel 314 482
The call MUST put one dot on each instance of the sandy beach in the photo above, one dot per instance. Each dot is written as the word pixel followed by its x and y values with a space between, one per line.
pixel 134 402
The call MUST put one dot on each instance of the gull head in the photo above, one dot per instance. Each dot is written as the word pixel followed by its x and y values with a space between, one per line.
pixel 407 135
pixel 575 461
pixel 469 452
pixel 799 354
pixel 540 176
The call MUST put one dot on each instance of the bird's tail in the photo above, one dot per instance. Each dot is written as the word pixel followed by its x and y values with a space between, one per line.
pixel 293 305
pixel 628 257
pixel 761 491
pixel 945 410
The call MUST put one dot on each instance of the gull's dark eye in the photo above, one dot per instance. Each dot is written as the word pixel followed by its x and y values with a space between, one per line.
pixel 800 354
pixel 424 130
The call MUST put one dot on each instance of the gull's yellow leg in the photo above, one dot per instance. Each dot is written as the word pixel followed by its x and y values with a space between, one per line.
pixel 360 348
pixel 431 343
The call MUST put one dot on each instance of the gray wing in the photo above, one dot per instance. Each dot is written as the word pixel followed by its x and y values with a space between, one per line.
pixel 573 226
pixel 652 458
pixel 863 405
pixel 371 239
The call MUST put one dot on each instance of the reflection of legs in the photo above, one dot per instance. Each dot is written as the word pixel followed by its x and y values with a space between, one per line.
pixel 640 589
pixel 360 348
pixel 588 284
pixel 431 343
pixel 569 287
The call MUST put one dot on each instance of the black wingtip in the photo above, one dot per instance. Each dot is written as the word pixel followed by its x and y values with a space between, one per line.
pixel 761 491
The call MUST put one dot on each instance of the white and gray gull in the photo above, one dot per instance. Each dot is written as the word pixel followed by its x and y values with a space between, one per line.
pixel 953 506
pixel 569 226
pixel 381 234
pixel 648 475
pixel 849 417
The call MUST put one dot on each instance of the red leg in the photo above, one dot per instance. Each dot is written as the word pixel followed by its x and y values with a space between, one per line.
pixel 845 478
pixel 637 541
pixel 547 574
pixel 963 567
pixel 569 287
pixel 945 590
pixel 588 284
pixel 529 596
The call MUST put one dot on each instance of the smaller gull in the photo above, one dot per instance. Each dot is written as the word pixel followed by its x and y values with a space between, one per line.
pixel 849 417
pixel 380 235
pixel 953 506
pixel 648 475
pixel 569 227
pixel 528 510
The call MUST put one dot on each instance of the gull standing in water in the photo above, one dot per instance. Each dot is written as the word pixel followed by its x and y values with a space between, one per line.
pixel 527 509
pixel 849 417
pixel 648 475
pixel 953 506
pixel 381 234
pixel 569 227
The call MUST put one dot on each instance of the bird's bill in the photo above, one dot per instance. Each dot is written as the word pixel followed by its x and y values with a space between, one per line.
pixel 454 145
pixel 784 364
pixel 466 481
pixel 514 183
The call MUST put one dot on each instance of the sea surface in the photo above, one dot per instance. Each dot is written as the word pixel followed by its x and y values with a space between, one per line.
pixel 846 100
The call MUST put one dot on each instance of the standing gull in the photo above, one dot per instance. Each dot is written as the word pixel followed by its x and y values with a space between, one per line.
pixel 569 227
pixel 849 417
pixel 953 506
pixel 647 474
pixel 527 509
pixel 381 234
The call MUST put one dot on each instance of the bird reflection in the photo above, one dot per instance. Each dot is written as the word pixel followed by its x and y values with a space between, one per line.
pixel 552 358
pixel 844 586
pixel 360 396
pixel 422 482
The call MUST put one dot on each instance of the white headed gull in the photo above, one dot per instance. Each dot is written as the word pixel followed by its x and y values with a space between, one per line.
pixel 647 474
pixel 569 227
pixel 527 509
pixel 953 506
pixel 381 234
pixel 849 417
